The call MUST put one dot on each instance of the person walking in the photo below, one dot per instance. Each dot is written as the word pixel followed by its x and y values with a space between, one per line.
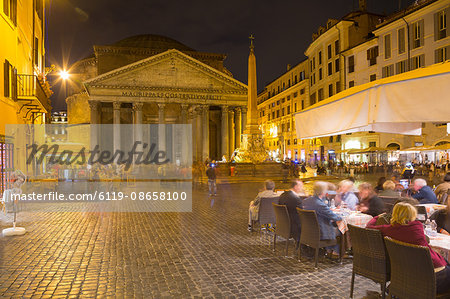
pixel 211 174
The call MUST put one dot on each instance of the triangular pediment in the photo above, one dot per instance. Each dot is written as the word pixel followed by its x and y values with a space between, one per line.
pixel 171 69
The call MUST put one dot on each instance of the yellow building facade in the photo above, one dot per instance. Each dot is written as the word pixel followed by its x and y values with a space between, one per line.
pixel 24 94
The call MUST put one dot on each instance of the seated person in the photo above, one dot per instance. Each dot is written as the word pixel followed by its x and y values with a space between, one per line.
pixel 253 210
pixel 371 204
pixel 345 196
pixel 408 172
pixel 442 218
pixel 291 199
pixel 443 188
pixel 379 187
pixel 325 216
pixel 405 228
pixel 398 187
pixel 389 190
pixel 424 194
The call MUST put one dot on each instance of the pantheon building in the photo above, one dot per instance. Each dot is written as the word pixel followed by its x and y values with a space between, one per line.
pixel 151 79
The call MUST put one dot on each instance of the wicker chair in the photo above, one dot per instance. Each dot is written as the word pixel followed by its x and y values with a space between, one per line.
pixel 370 258
pixel 310 234
pixel 283 225
pixel 266 213
pixel 412 271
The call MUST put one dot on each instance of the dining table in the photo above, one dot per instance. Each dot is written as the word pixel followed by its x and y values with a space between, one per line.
pixel 356 218
pixel 440 243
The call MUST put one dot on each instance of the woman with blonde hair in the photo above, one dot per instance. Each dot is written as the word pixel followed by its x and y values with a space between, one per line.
pixel 404 227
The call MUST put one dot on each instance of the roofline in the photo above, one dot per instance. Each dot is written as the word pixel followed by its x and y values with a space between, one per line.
pixel 400 14
pixel 305 59
pixel 361 43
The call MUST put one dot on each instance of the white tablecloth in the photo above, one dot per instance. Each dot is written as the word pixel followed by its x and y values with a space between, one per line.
pixel 441 244
pixel 354 218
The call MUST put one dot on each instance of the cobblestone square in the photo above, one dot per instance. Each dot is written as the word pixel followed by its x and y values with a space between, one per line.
pixel 207 253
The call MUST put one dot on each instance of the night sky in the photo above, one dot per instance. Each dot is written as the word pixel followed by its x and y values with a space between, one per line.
pixel 282 29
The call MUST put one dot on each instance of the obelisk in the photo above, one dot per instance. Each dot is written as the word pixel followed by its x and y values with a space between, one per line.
pixel 252 146
pixel 252 109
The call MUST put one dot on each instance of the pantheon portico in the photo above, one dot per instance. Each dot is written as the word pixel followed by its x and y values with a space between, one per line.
pixel 175 85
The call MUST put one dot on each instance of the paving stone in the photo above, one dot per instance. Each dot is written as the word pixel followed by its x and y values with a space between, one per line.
pixel 204 254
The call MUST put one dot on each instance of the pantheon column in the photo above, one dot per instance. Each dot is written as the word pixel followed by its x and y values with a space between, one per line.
pixel 231 131
pixel 238 126
pixel 205 132
pixel 198 131
pixel 116 126
pixel 93 105
pixel 161 127
pixel 184 113
pixel 137 108
pixel 224 126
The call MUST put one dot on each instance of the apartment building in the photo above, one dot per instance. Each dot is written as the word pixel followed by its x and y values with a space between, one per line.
pixel 277 104
pixel 413 38
pixel 24 93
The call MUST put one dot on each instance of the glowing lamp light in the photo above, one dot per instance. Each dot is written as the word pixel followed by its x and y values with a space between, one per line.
pixel 64 74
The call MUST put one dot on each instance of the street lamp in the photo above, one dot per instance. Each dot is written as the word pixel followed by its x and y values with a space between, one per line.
pixel 64 74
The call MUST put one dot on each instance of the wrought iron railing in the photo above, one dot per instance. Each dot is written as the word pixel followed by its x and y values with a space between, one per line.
pixel 29 86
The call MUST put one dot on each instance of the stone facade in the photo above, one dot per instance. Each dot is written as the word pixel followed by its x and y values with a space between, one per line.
pixel 169 86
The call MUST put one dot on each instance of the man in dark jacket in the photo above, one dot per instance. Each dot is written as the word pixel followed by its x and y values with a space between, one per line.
pixel 292 200
pixel 424 194
pixel 211 174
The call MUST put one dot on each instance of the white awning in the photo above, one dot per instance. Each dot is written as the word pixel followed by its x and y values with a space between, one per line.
pixel 397 104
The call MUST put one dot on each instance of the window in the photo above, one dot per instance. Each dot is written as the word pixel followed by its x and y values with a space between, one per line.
pixel 417 34
pixel 401 40
pixel 372 143
pixel 329 51
pixel 273 114
pixel 282 100
pixel 372 55
pixel 330 139
pixel 320 57
pixel 282 128
pixel 338 86
pixel 10 9
pixel 36 51
pixel 338 138
pixel 288 110
pixel 302 91
pixel 295 107
pixel 295 94
pixel 289 142
pixel 336 47
pixel 320 74
pixel 330 68
pixel 295 79
pixel 351 64
pixel 417 61
pixel 320 94
pixel 295 141
pixel 330 90
pixel 303 104
pixel 387 46
pixel 440 25
pixel 278 113
pixel 278 102
pixel 440 55
pixel 282 111
pixel 284 86
pixel 289 83
pixel 336 65
pixel 387 71
pixel 373 77
pixel 312 99
pixel 302 75
pixel 10 80
pixel 351 84
pixel 400 67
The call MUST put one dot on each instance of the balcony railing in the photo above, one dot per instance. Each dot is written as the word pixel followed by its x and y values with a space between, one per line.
pixel 28 86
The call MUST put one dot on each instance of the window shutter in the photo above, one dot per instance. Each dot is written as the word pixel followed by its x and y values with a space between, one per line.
pixel 422 60
pixel 6 78
pixel 14 84
pixel 421 26
pixel 383 72
pixel 368 54
pixel 436 26
pixel 436 56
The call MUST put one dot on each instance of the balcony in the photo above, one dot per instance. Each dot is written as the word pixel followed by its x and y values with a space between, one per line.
pixel 31 94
